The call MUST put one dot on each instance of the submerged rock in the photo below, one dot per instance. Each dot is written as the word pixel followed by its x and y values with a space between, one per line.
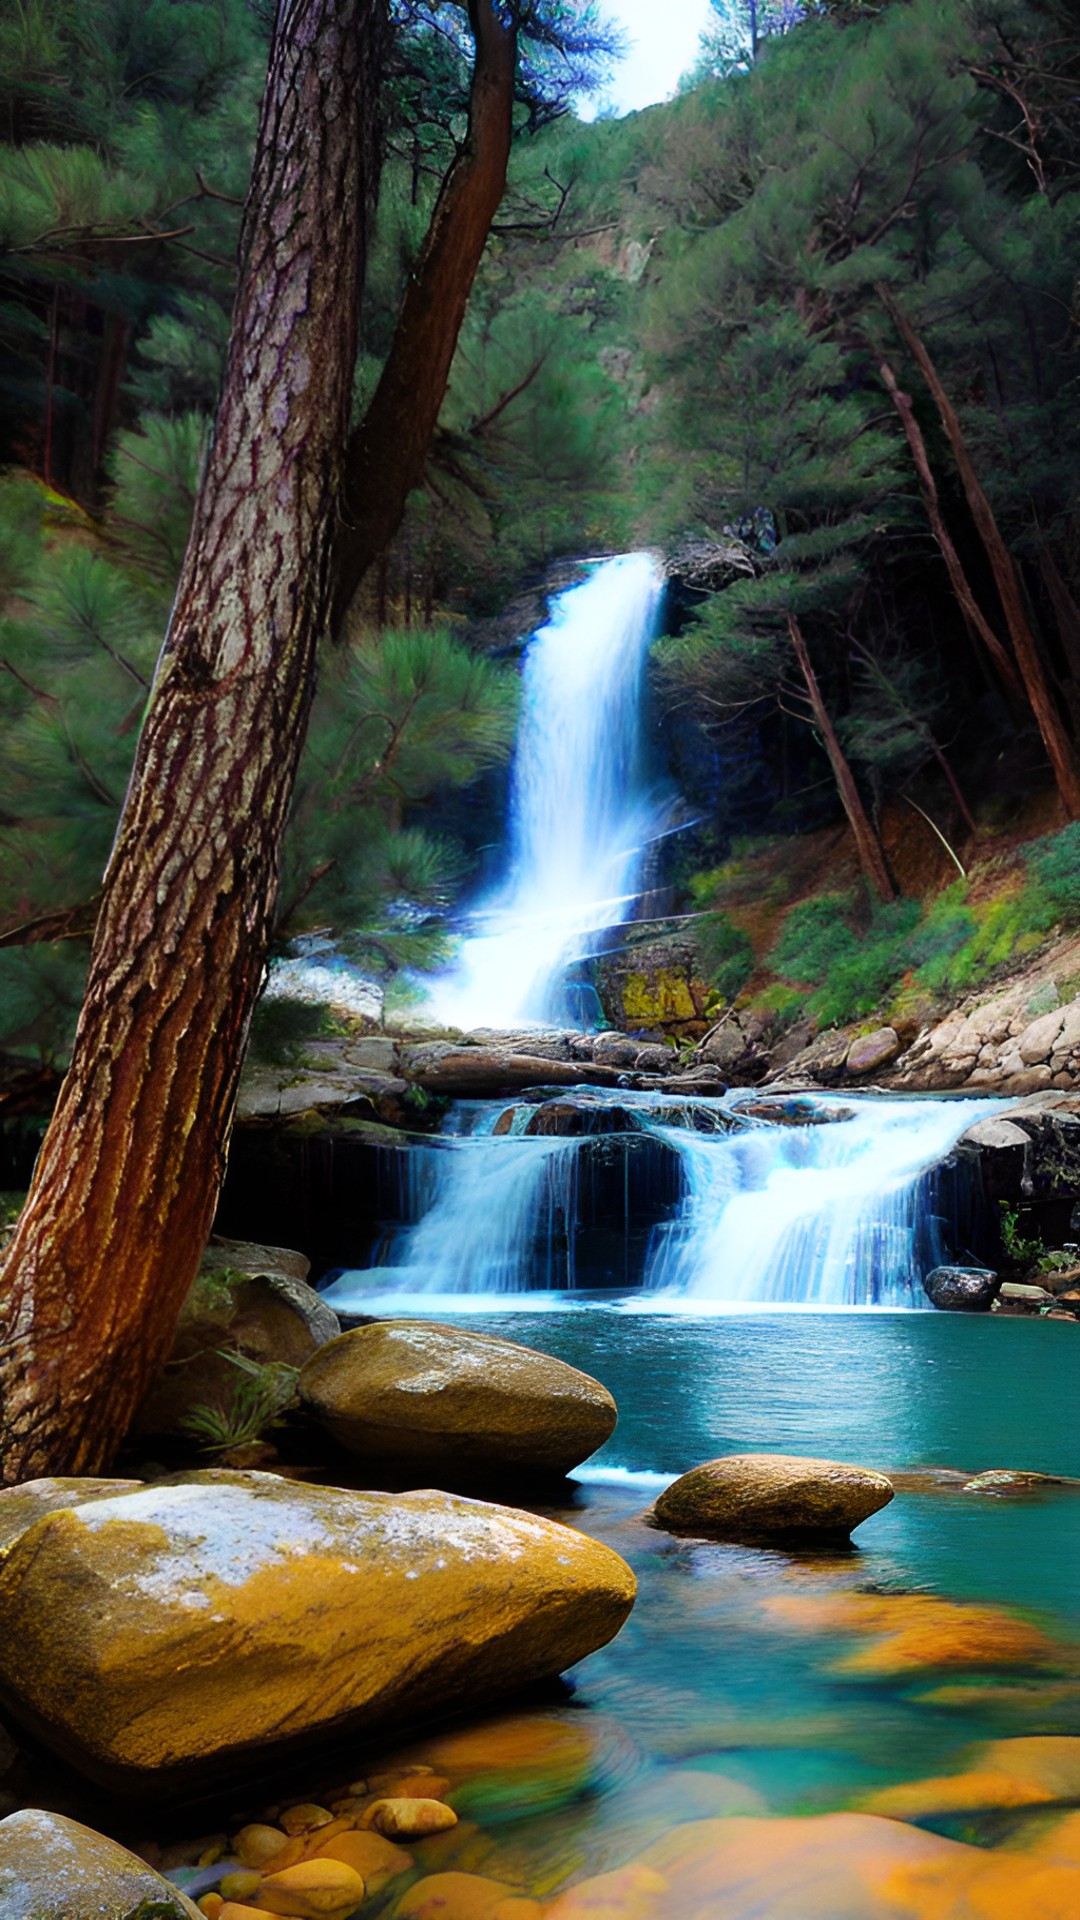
pixel 832 1866
pixel 1011 1480
pixel 413 1391
pixel 52 1868
pixel 154 1636
pixel 750 1495
pixel 962 1289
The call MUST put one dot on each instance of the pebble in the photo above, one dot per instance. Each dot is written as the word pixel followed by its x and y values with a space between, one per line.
pixel 312 1890
pixel 256 1844
pixel 304 1818
pixel 409 1819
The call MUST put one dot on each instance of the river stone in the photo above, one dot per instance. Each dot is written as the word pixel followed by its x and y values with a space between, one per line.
pixel 158 1637
pixel 743 1495
pixel 962 1289
pixel 873 1051
pixel 52 1868
pixel 414 1391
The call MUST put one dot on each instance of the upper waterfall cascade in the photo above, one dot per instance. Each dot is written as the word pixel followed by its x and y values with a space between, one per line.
pixel 581 814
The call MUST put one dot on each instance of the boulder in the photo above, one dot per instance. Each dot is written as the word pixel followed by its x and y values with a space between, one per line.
pixel 155 1637
pixel 52 1868
pixel 615 1050
pixel 751 1495
pixel 1023 1298
pixel 872 1051
pixel 273 1093
pixel 248 1256
pixel 265 1315
pixel 584 1118
pixel 20 1506
pixel 704 1079
pixel 1037 1040
pixel 490 1071
pixel 656 1059
pixel 413 1391
pixel 962 1289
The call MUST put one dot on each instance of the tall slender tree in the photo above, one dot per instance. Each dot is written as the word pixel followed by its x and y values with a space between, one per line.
pixel 126 1183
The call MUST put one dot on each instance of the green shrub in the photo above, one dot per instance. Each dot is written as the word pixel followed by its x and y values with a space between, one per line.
pixel 1055 864
pixel 852 969
pixel 815 937
pixel 281 1028
pixel 727 956
pixel 946 928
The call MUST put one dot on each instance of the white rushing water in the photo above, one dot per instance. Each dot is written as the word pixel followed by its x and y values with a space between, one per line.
pixel 833 1214
pixel 581 817
pixel 840 1212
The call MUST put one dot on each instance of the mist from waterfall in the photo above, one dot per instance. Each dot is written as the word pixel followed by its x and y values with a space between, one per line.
pixel 581 814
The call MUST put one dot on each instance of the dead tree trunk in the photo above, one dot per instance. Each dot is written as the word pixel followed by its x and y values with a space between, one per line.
pixel 128 1176
pixel 1058 746
pixel 388 450
pixel 867 844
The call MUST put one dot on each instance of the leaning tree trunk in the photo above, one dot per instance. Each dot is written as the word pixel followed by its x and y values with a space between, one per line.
pixel 388 451
pixel 1059 748
pixel 867 844
pixel 974 619
pixel 127 1179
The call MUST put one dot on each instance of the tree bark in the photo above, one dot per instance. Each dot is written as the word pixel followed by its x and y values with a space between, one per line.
pixel 1067 618
pixel 387 452
pixel 867 844
pixel 977 625
pixel 127 1179
pixel 1058 746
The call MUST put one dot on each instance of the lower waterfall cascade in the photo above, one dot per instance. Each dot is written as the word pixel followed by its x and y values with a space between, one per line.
pixel 673 1205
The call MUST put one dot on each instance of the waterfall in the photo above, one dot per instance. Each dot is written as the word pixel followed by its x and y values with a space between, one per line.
pixel 700 1209
pixel 581 816
pixel 832 1214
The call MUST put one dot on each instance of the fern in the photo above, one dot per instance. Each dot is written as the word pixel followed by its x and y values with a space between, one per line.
pixel 258 1400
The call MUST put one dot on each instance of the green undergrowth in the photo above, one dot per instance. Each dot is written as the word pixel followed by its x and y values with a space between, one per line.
pixel 280 1030
pixel 838 957
pixel 261 1395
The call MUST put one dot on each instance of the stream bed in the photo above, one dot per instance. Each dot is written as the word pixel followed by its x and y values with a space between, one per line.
pixel 767 1683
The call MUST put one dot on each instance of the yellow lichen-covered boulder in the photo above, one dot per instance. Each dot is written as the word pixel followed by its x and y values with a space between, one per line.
pixel 165 1630
pixel 748 1495
pixel 411 1391
pixel 20 1506
pixel 52 1868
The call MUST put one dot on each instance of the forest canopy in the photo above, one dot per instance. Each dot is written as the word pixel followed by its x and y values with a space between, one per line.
pixel 818 313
